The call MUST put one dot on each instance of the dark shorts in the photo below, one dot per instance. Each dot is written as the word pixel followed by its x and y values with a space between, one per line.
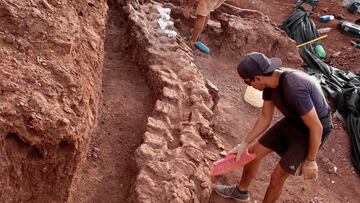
pixel 290 140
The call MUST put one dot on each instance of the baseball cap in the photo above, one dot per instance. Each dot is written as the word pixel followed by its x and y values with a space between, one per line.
pixel 255 64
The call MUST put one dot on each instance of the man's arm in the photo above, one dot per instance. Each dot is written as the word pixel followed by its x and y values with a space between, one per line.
pixel 260 126
pixel 263 122
pixel 312 121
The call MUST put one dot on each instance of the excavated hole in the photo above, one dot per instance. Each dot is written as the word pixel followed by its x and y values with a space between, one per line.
pixel 66 147
pixel 18 150
pixel 109 171
pixel 35 154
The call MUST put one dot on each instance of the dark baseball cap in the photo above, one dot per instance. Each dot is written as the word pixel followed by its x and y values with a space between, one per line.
pixel 255 64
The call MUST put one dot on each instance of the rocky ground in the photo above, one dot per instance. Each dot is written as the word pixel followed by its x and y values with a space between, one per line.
pixel 166 111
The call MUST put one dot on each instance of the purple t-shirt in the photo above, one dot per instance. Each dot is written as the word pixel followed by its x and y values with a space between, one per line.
pixel 300 94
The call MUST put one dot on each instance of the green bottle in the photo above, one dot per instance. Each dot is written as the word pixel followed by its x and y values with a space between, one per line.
pixel 319 49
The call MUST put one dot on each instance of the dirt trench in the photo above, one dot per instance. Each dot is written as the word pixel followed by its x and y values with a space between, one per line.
pixel 109 170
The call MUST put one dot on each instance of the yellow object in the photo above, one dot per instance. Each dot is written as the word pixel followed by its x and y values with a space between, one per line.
pixel 311 41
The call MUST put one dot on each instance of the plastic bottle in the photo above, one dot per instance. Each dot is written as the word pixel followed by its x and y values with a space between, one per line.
pixel 202 47
pixel 319 49
pixel 324 30
pixel 326 18
pixel 253 97
pixel 350 28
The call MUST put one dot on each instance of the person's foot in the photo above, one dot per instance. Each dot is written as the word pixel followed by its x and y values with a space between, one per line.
pixel 190 43
pixel 232 192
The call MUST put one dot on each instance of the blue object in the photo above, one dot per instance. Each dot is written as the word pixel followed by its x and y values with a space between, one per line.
pixel 202 47
pixel 353 8
pixel 326 18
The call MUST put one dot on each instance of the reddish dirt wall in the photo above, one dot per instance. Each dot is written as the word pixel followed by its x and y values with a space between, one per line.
pixel 51 58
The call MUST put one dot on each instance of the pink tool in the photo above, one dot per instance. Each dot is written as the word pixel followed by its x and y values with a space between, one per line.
pixel 229 163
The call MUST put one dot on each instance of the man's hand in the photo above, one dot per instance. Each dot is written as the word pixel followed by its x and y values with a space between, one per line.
pixel 310 170
pixel 239 150
pixel 187 11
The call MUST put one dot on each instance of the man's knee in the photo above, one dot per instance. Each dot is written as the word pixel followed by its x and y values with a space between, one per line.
pixel 200 18
pixel 259 150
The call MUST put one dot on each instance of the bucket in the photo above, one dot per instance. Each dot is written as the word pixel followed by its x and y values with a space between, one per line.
pixel 253 97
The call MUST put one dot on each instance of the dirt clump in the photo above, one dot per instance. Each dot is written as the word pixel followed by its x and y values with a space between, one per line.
pixel 240 36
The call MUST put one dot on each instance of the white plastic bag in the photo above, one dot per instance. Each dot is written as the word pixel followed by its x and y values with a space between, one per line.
pixel 170 33
pixel 165 22
pixel 324 30
pixel 164 11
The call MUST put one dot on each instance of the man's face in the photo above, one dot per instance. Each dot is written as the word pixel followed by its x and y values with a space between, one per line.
pixel 248 81
pixel 255 82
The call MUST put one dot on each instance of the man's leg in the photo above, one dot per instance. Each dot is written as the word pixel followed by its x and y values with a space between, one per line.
pixel 278 178
pixel 199 25
pixel 241 192
pixel 206 21
pixel 251 168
